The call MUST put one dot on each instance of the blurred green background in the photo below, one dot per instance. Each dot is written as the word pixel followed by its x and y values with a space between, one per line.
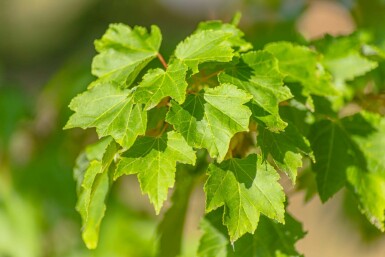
pixel 46 48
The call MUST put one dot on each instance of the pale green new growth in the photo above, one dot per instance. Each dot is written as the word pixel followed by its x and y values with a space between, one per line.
pixel 343 58
pixel 211 118
pixel 154 160
pixel 300 64
pixel 93 186
pixel 205 46
pixel 236 40
pixel 124 52
pixel 246 187
pixel 111 111
pixel 158 84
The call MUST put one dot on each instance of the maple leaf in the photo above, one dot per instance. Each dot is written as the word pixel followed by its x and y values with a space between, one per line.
pixel 270 239
pixel 334 153
pixel 157 84
pixel 205 46
pixel 235 40
pixel 300 64
pixel 124 52
pixel 154 160
pixel 246 187
pixel 210 119
pixel 342 57
pixel 367 177
pixel 257 73
pixel 92 175
pixel 370 191
pixel 111 111
pixel 286 149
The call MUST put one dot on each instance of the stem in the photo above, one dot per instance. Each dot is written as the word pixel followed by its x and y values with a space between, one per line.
pixel 161 59
pixel 210 75
pixel 164 128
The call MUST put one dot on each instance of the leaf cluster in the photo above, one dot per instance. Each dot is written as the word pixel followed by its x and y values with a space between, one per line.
pixel 246 114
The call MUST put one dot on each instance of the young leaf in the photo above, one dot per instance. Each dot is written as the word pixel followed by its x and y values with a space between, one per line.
pixel 300 64
pixel 95 182
pixel 205 46
pixel 124 52
pixel 368 182
pixel 236 40
pixel 257 73
pixel 211 118
pixel 158 84
pixel 342 57
pixel 154 160
pixel 246 187
pixel 286 148
pixel 112 111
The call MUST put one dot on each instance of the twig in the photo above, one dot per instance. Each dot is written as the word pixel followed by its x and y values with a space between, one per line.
pixel 161 59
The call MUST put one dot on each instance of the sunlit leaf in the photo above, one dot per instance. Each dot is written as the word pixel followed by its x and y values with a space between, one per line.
pixel 154 160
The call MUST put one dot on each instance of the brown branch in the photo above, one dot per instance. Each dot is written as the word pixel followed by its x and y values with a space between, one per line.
pixel 161 59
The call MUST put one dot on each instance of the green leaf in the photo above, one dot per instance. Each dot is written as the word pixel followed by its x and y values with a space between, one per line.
pixel 155 119
pixel 271 239
pixel 95 182
pixel 370 191
pixel 205 46
pixel 210 119
pixel 246 187
pixel 334 154
pixel 352 150
pixel 154 160
pixel 236 40
pixel 124 52
pixel 112 111
pixel 367 131
pixel 348 67
pixel 342 57
pixel 300 64
pixel 286 148
pixel 257 73
pixel 157 84
pixel 214 240
pixel 368 182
